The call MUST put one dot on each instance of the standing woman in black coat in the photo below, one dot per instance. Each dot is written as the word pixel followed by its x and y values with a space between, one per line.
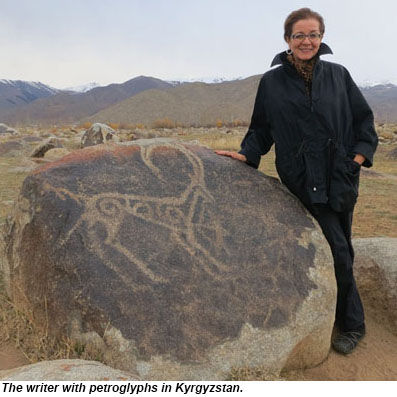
pixel 323 131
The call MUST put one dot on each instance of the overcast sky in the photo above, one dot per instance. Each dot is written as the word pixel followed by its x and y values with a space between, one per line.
pixel 70 42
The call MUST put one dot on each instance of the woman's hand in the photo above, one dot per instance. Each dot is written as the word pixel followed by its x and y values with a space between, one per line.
pixel 359 158
pixel 234 155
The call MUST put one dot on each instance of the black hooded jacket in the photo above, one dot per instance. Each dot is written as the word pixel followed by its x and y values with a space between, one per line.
pixel 316 136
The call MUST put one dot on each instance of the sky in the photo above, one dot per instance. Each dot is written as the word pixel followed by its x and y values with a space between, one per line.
pixel 66 43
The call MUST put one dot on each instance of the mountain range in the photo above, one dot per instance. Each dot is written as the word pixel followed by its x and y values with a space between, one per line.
pixel 70 107
pixel 17 93
pixel 147 99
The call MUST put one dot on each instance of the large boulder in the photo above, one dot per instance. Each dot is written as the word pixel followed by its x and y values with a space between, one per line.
pixel 98 133
pixel 66 370
pixel 376 274
pixel 180 263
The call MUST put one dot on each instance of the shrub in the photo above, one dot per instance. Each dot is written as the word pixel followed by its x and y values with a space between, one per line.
pixel 164 123
pixel 86 125
pixel 115 126
pixel 239 123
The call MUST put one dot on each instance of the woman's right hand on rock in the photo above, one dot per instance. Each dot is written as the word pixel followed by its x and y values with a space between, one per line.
pixel 234 155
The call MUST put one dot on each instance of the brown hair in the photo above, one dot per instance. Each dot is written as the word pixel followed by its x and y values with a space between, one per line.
pixel 302 13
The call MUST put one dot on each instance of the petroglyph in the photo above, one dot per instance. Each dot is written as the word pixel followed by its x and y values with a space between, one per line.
pixel 177 248
pixel 183 216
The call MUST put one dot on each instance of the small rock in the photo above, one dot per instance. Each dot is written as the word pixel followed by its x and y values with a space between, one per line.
pixel 5 129
pixel 44 147
pixel 98 133
pixel 66 370
pixel 10 147
pixel 32 139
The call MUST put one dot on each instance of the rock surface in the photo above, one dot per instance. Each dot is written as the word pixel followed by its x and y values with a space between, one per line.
pixel 98 133
pixel 375 267
pixel 181 263
pixel 66 370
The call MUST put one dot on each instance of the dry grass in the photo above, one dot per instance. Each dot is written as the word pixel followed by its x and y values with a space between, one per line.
pixel 18 329
pixel 10 184
pixel 164 123
pixel 217 141
pixel 376 210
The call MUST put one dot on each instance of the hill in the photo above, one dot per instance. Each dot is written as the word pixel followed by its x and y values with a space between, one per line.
pixel 17 93
pixel 189 103
pixel 383 100
pixel 70 107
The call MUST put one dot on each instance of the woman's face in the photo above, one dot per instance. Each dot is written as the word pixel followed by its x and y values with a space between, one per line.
pixel 305 49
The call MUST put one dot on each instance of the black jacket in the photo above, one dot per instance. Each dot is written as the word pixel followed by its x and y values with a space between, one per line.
pixel 316 136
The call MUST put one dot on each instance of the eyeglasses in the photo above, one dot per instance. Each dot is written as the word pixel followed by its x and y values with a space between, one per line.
pixel 310 36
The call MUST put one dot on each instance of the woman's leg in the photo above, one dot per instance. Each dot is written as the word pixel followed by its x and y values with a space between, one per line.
pixel 337 230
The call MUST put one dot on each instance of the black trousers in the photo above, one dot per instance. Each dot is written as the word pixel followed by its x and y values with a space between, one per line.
pixel 337 229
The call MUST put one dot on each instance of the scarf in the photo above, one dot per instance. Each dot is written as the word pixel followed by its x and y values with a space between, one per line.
pixel 305 70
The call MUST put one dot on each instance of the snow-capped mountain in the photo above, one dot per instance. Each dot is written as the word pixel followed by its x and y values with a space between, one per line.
pixel 83 87
pixel 70 107
pixel 208 80
pixel 367 83
pixel 29 86
pixel 16 93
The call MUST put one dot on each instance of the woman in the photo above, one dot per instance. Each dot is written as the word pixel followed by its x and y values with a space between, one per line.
pixel 323 131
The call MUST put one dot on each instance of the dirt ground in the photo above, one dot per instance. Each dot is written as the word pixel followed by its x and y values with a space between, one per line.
pixel 374 359
pixel 11 357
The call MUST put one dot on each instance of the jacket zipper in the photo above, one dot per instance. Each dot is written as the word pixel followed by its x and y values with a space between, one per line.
pixel 311 88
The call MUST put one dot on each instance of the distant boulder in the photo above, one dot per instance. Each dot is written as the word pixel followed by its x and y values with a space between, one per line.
pixel 32 138
pixel 10 147
pixel 5 129
pixel 376 272
pixel 179 263
pixel 98 133
pixel 42 148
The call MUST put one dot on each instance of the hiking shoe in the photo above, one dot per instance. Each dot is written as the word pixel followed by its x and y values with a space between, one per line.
pixel 347 341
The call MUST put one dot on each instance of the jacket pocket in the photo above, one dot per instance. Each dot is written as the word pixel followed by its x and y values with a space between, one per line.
pixel 293 173
pixel 344 183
